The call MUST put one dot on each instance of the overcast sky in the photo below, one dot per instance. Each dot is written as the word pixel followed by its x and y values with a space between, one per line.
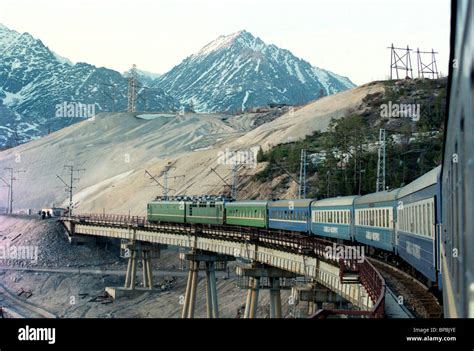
pixel 347 37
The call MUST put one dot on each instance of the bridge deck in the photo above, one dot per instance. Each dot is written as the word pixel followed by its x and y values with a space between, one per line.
pixel 291 251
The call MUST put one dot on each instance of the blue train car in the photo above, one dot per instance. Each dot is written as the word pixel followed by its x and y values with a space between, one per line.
pixel 419 215
pixel 289 215
pixel 333 217
pixel 375 216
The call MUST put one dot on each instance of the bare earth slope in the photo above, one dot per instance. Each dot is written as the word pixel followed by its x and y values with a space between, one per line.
pixel 116 148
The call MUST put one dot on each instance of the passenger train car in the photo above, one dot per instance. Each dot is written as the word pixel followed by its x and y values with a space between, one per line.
pixel 457 179
pixel 401 221
pixel 428 223
pixel 289 215
pixel 375 216
pixel 419 220
pixel 333 218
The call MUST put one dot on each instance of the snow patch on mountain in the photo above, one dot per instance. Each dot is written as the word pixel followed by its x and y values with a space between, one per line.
pixel 221 75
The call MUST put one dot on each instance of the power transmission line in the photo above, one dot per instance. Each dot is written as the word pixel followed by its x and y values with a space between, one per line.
pixel 10 186
pixel 302 178
pixel 70 187
pixel 380 184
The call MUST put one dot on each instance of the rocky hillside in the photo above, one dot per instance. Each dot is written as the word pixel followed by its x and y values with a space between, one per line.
pixel 34 81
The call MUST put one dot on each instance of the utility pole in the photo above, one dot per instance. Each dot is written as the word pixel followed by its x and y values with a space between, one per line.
pixel 431 68
pixel 70 187
pixel 166 177
pixel 133 86
pixel 400 60
pixel 328 182
pixel 234 182
pixel 233 192
pixel 10 186
pixel 7 185
pixel 302 178
pixel 380 185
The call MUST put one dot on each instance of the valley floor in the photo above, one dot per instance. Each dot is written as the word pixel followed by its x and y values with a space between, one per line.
pixel 66 280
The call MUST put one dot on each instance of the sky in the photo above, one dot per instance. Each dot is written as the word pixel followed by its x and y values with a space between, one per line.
pixel 348 37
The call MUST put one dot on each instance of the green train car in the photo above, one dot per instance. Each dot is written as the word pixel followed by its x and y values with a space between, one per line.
pixel 243 213
pixel 247 213
pixel 205 212
pixel 166 211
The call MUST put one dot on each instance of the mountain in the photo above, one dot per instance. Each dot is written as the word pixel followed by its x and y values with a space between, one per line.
pixel 41 91
pixel 238 71
pixel 147 78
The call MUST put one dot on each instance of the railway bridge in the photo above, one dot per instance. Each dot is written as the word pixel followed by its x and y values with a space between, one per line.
pixel 274 258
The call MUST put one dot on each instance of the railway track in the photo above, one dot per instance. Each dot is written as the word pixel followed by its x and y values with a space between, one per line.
pixel 17 308
pixel 416 296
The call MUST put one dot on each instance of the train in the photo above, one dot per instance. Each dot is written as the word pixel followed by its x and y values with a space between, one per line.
pixel 395 223
pixel 429 223
pixel 457 178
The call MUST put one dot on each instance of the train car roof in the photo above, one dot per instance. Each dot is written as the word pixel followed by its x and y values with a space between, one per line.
pixel 296 202
pixel 381 196
pixel 335 201
pixel 247 203
pixel 167 202
pixel 430 178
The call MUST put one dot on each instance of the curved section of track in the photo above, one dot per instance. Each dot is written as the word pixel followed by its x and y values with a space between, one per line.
pixel 415 296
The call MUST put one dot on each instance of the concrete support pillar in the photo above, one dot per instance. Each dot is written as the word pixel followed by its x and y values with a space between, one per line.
pixel 211 274
pixel 194 282
pixel 184 313
pixel 208 292
pixel 133 272
pixel 191 288
pixel 275 298
pixel 254 298
pixel 150 270
pixel 129 273
pixel 194 258
pixel 145 269
pixel 248 300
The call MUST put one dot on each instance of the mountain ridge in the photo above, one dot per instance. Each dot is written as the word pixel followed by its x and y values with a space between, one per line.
pixel 223 75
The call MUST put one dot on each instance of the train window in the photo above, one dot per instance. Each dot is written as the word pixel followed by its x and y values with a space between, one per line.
pixel 425 220
pixel 430 222
pixel 417 221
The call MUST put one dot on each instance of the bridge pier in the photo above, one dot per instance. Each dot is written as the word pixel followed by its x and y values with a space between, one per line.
pixel 135 250
pixel 209 260
pixel 317 296
pixel 257 277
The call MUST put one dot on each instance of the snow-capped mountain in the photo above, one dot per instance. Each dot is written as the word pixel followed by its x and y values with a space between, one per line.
pixel 239 71
pixel 41 91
